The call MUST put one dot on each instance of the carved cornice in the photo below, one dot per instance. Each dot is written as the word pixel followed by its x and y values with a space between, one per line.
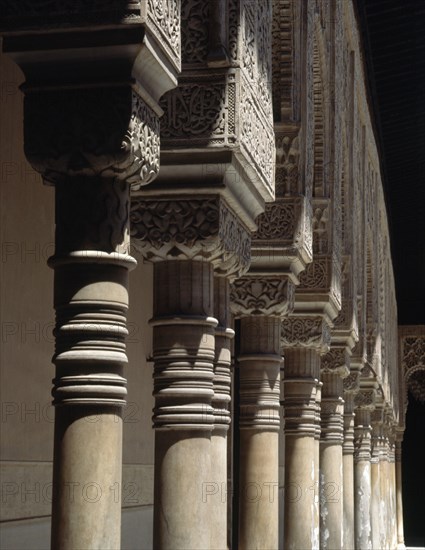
pixel 171 228
pixel 307 332
pixel 261 295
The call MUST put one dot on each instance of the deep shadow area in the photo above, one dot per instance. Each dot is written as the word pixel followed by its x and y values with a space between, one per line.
pixel 414 474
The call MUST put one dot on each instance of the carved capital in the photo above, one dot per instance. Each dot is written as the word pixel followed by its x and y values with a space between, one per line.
pixel 282 237
pixel 365 399
pixel 306 332
pixel 168 228
pixel 261 295
pixel 107 132
pixel 352 382
pixel 336 360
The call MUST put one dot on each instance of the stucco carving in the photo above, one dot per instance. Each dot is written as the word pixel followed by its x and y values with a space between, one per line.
pixel 229 106
pixel 307 332
pixel 287 164
pixel 336 360
pixel 264 295
pixel 352 382
pixel 192 228
pixel 365 399
pixel 164 22
pixel 106 132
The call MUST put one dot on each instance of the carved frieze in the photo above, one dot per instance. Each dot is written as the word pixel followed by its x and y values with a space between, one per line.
pixel 197 112
pixel 164 23
pixel 224 107
pixel 309 332
pixel 261 295
pixel 167 228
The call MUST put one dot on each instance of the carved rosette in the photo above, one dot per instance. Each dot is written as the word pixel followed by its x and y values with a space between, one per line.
pixel 94 132
pixel 171 228
pixel 306 332
pixel 261 295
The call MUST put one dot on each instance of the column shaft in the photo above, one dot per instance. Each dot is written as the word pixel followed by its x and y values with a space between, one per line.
pixel 183 352
pixel 302 369
pixel 348 472
pixel 221 402
pixel 331 503
pixel 399 495
pixel 259 362
pixel 376 497
pixel 362 479
pixel 91 296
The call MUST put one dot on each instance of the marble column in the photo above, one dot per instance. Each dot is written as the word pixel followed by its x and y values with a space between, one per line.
pixel 392 492
pixel 183 354
pixel 187 238
pixel 348 472
pixel 260 302
pixel 91 118
pixel 221 410
pixel 377 471
pixel 91 266
pixel 92 171
pixel 351 387
pixel 399 493
pixel 334 367
pixel 302 369
pixel 304 338
pixel 259 421
pixel 362 472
